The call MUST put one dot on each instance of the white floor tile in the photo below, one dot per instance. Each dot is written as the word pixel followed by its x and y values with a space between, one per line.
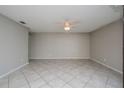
pixel 66 77
pixel 18 83
pixel 67 86
pixel 32 77
pixel 56 83
pixel 20 86
pixel 76 83
pixel 63 74
pixel 45 86
pixel 91 86
pixel 37 83
pixel 97 82
pixel 115 83
pixel 48 77
pixel 4 82
pixel 83 78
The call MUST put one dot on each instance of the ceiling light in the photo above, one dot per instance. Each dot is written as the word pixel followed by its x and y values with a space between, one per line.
pixel 67 28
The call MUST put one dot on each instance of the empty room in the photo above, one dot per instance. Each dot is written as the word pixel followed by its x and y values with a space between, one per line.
pixel 61 46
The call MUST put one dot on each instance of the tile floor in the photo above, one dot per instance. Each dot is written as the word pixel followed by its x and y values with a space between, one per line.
pixel 62 74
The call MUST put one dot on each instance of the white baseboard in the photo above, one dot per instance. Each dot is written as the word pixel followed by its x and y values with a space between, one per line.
pixel 64 58
pixel 13 70
pixel 106 65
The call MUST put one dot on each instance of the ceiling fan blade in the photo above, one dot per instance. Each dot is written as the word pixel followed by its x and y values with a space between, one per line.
pixel 74 22
pixel 73 26
pixel 59 23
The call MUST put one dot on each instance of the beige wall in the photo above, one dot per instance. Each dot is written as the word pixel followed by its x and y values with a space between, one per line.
pixel 106 45
pixel 13 45
pixel 59 46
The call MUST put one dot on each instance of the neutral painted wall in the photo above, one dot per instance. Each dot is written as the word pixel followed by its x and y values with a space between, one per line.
pixel 13 45
pixel 106 45
pixel 59 46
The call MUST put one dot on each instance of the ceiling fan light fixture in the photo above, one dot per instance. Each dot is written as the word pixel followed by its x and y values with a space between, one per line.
pixel 67 28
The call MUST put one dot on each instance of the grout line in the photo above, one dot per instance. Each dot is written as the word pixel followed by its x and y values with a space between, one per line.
pixel 59 77
pixel 89 78
pixel 106 81
pixel 26 79
pixel 39 75
pixel 8 82
pixel 47 82
pixel 71 79
pixel 87 82
pixel 44 84
pixel 68 82
pixel 50 80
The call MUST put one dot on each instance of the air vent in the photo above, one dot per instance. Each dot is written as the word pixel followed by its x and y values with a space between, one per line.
pixel 22 22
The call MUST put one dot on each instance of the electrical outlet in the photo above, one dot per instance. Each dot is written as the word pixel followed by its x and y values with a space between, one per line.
pixel 101 59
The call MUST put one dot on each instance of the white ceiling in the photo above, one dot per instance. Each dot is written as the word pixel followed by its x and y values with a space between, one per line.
pixel 45 18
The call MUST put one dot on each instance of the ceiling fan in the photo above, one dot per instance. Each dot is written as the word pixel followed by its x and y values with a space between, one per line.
pixel 68 24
